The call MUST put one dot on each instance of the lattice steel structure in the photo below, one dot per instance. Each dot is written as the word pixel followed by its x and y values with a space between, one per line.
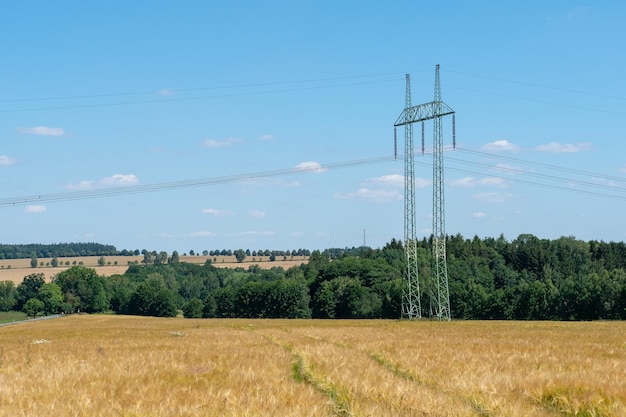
pixel 438 285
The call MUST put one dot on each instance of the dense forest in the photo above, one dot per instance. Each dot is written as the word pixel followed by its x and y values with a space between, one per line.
pixel 525 279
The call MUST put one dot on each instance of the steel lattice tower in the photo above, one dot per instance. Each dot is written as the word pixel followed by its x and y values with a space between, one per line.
pixel 438 285
pixel 411 304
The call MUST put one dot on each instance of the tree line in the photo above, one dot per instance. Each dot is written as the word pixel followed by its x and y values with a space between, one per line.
pixel 65 250
pixel 57 250
pixel 527 278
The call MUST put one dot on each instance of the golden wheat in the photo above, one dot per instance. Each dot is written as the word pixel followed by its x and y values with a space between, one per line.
pixel 132 366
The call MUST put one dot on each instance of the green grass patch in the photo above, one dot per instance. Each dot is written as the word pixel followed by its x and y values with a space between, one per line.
pixel 11 316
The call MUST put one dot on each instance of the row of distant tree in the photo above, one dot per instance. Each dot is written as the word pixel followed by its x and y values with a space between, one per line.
pixel 59 250
pixel 524 279
pixel 66 250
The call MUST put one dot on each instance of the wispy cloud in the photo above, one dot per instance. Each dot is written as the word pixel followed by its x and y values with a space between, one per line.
pixel 555 147
pixel 42 131
pixel 623 169
pixel 500 145
pixel 266 137
pixel 165 92
pixel 257 233
pixel 257 214
pixel 36 209
pixel 376 195
pixel 478 215
pixel 115 180
pixel 5 160
pixel 578 14
pixel 218 212
pixel 383 189
pixel 391 180
pixel 202 234
pixel 311 166
pixel 215 143
pixel 469 182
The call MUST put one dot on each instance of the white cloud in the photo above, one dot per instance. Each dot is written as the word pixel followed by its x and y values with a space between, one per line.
pixel 115 180
pixel 378 196
pixel 422 182
pixel 202 234
pixel 214 143
pixel 296 234
pixel 623 169
pixel 120 180
pixel 310 166
pixel 493 197
pixel 217 212
pixel 500 145
pixel 256 214
pixel 469 182
pixel 36 209
pixel 257 233
pixel 397 180
pixel 392 180
pixel 266 137
pixel 42 131
pixel 5 160
pixel 556 147
pixel 165 92
pixel 478 215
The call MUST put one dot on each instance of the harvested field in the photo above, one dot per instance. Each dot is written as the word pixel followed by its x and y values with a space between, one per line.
pixel 131 366
pixel 16 269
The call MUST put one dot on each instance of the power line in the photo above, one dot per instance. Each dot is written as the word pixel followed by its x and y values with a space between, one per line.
pixel 524 83
pixel 201 182
pixel 152 92
pixel 181 99
pixel 539 164
pixel 540 176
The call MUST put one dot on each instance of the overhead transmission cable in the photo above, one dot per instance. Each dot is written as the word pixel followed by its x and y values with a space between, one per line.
pixel 540 176
pixel 203 182
pixel 169 99
pixel 138 189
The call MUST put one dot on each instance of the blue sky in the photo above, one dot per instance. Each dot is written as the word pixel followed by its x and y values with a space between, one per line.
pixel 124 95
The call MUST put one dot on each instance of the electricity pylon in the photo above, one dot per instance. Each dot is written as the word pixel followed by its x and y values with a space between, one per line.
pixel 438 285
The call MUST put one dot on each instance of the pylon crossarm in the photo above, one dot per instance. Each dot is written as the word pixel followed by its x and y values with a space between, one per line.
pixel 422 112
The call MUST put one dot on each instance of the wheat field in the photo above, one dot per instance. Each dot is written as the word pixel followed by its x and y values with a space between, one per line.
pixel 103 365
pixel 16 269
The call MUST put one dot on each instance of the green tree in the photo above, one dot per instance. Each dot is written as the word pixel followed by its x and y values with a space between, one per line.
pixel 161 258
pixel 193 309
pixel 175 258
pixel 33 306
pixel 165 304
pixel 52 298
pixel 7 295
pixel 152 298
pixel 101 261
pixel 240 255
pixel 54 262
pixel 28 289
pixel 33 261
pixel 86 285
